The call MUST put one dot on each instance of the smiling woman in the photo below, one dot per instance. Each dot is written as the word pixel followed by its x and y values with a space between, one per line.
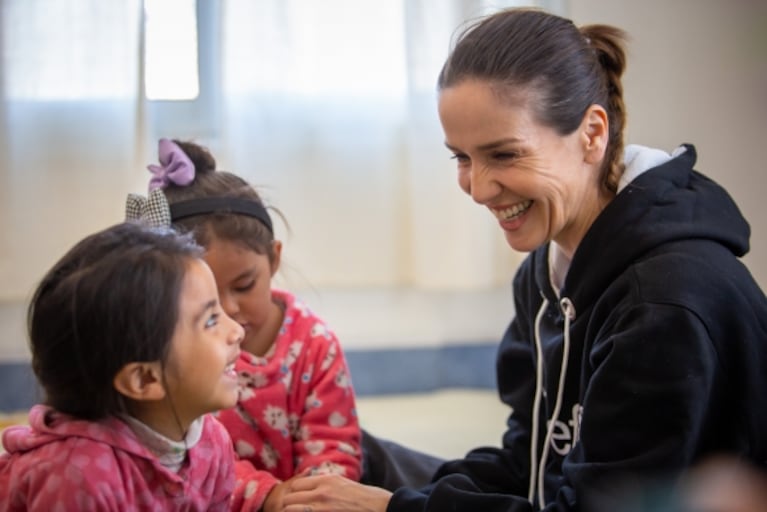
pixel 613 317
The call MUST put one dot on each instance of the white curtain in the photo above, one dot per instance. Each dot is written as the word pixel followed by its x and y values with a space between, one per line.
pixel 328 107
pixel 70 116
pixel 332 106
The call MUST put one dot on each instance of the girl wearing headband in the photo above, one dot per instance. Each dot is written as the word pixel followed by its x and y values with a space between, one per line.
pixel 296 410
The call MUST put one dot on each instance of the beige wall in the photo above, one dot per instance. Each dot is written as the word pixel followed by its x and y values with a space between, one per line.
pixel 697 72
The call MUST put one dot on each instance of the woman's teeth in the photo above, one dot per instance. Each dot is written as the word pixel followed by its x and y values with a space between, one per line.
pixel 514 211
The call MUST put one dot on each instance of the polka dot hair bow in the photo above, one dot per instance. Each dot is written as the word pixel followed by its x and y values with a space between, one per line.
pixel 153 210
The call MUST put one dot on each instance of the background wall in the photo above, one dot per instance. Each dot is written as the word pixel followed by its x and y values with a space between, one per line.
pixel 697 73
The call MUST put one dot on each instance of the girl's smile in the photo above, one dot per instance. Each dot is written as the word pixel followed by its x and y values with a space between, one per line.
pixel 204 348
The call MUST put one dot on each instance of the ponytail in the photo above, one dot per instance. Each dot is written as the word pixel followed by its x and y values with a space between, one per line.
pixel 608 44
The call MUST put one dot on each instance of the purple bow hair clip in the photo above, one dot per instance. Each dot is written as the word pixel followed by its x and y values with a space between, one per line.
pixel 175 166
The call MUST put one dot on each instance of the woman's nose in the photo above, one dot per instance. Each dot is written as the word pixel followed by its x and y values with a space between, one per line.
pixel 482 186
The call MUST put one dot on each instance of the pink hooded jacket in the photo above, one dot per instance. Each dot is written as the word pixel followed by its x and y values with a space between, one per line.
pixel 59 463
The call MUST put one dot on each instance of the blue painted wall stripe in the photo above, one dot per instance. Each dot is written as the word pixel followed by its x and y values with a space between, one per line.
pixel 374 372
pixel 18 387
pixel 382 372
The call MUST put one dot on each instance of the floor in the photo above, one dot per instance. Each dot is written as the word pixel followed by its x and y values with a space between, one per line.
pixel 446 423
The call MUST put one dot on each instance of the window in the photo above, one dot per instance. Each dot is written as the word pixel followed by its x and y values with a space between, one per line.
pixel 170 50
pixel 182 71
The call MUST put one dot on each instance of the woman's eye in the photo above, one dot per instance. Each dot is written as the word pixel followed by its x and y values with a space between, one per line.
pixel 461 159
pixel 505 156
pixel 212 321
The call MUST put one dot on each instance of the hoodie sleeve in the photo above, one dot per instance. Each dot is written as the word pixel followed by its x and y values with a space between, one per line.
pixel 649 394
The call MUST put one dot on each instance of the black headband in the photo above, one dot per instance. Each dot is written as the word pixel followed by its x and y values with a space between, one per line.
pixel 209 205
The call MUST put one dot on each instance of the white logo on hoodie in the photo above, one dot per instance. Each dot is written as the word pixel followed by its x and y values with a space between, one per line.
pixel 565 434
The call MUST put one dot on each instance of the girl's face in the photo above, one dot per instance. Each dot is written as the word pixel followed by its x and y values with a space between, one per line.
pixel 244 281
pixel 539 185
pixel 200 371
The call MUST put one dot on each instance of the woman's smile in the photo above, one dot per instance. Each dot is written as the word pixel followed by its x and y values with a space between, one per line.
pixel 511 216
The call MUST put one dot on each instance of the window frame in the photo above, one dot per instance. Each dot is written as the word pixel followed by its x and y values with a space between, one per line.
pixel 194 118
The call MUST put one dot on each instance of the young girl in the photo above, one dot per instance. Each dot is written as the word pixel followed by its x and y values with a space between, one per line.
pixel 296 412
pixel 133 351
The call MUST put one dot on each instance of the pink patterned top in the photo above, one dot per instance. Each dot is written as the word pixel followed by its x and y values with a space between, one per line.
pixel 296 410
pixel 62 463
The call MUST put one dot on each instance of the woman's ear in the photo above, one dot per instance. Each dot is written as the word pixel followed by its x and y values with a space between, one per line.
pixel 276 256
pixel 595 130
pixel 140 381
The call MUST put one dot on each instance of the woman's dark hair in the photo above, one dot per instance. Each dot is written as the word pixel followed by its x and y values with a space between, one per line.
pixel 567 69
pixel 209 182
pixel 111 300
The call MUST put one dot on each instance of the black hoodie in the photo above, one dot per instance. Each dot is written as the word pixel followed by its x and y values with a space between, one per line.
pixel 651 357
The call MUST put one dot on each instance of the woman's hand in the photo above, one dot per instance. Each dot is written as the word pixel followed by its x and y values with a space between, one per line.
pixel 333 493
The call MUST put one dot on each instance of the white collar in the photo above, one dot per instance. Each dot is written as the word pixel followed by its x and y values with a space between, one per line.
pixel 170 453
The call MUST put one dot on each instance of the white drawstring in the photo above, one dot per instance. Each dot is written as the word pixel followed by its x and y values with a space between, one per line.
pixel 536 469
pixel 536 402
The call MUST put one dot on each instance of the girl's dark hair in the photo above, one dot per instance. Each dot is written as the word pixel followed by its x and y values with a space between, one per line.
pixel 111 300
pixel 209 182
pixel 567 69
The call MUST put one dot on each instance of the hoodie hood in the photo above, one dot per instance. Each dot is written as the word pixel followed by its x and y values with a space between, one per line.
pixel 59 462
pixel 661 200
pixel 48 426
pixel 666 203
